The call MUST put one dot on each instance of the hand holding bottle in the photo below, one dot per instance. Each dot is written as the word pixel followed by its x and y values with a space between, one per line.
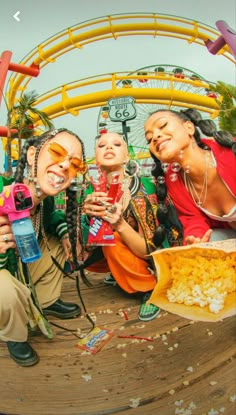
pixel 7 239
pixel 16 202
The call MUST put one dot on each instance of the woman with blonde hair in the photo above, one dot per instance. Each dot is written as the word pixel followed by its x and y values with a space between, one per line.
pixel 133 220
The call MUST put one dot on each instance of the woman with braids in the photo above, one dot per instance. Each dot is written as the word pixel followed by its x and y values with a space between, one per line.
pixel 198 173
pixel 133 220
pixel 29 292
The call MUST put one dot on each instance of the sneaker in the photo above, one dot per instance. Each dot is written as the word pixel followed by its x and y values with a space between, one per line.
pixel 110 280
pixel 148 312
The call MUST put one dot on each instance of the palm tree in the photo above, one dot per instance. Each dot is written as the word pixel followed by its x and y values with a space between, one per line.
pixel 227 104
pixel 22 117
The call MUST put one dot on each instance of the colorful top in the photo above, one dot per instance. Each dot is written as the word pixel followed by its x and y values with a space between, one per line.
pixel 195 221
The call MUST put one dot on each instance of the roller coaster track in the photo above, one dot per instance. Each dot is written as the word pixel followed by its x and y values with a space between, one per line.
pixel 108 27
pixel 186 91
pixel 111 85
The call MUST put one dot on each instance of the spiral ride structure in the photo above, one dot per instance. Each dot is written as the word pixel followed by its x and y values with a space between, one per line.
pixel 158 87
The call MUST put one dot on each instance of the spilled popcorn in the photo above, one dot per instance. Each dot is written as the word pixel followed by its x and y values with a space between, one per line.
pixel 87 377
pixel 202 281
pixel 232 398
pixel 180 410
pixel 196 281
pixel 134 403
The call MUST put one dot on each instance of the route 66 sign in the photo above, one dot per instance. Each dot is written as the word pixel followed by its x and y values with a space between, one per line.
pixel 121 109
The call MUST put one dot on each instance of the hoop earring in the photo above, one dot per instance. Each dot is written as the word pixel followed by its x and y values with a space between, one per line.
pixel 131 168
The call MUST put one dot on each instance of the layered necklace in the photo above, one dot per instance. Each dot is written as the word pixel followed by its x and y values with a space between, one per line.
pixel 198 198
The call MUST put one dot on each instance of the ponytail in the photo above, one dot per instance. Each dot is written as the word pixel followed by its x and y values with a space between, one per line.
pixel 208 128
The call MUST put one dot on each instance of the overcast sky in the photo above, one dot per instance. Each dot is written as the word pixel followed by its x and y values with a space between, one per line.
pixel 42 19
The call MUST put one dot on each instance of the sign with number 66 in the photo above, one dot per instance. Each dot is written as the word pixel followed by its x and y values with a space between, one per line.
pixel 121 109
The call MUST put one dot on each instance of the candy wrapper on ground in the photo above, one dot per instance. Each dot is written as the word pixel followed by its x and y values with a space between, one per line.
pixel 197 281
pixel 95 340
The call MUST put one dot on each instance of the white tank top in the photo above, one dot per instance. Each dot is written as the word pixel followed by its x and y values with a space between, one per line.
pixel 230 217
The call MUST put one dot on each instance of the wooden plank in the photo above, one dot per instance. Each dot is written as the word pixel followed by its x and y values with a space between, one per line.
pixel 127 371
pixel 202 395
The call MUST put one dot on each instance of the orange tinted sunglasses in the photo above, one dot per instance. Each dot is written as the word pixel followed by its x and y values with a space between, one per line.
pixel 59 154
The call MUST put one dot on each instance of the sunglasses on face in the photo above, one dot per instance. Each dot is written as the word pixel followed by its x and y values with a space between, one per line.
pixel 59 154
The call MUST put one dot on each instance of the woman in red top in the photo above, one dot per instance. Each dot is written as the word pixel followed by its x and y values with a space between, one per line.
pixel 199 174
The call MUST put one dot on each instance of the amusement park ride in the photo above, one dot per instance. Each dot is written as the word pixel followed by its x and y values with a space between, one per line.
pixel 163 86
pixel 149 87
pixel 169 365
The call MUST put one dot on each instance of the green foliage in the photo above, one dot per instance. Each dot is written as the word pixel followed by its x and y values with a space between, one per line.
pixel 22 117
pixel 23 114
pixel 227 104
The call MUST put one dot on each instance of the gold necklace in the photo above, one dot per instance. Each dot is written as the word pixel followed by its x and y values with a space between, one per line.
pixel 199 199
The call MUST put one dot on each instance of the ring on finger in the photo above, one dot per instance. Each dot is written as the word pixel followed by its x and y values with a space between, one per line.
pixel 109 214
pixel 5 238
pixel 112 209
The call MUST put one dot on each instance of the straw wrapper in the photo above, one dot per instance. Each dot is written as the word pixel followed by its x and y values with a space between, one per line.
pixel 199 279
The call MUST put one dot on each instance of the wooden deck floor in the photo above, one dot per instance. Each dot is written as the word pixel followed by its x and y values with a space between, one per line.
pixel 186 368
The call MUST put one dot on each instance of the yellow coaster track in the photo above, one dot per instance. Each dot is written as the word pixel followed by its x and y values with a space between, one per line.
pixel 108 27
pixel 62 103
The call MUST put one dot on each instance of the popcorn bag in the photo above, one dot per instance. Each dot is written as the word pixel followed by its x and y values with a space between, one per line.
pixel 197 281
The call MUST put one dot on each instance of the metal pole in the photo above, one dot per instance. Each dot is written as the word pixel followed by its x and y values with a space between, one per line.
pixel 125 130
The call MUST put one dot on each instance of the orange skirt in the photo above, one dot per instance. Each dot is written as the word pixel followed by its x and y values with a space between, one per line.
pixel 130 271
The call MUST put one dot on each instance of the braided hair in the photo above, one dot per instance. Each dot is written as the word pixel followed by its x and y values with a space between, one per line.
pixel 208 128
pixel 73 209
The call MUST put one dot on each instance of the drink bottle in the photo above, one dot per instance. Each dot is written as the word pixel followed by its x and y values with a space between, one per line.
pixel 16 202
pixel 26 241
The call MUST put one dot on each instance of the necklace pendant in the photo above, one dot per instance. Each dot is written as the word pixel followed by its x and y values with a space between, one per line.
pixel 199 203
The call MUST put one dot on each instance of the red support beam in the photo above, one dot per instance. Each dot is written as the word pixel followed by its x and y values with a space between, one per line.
pixel 5 66
pixel 32 70
pixel 4 131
